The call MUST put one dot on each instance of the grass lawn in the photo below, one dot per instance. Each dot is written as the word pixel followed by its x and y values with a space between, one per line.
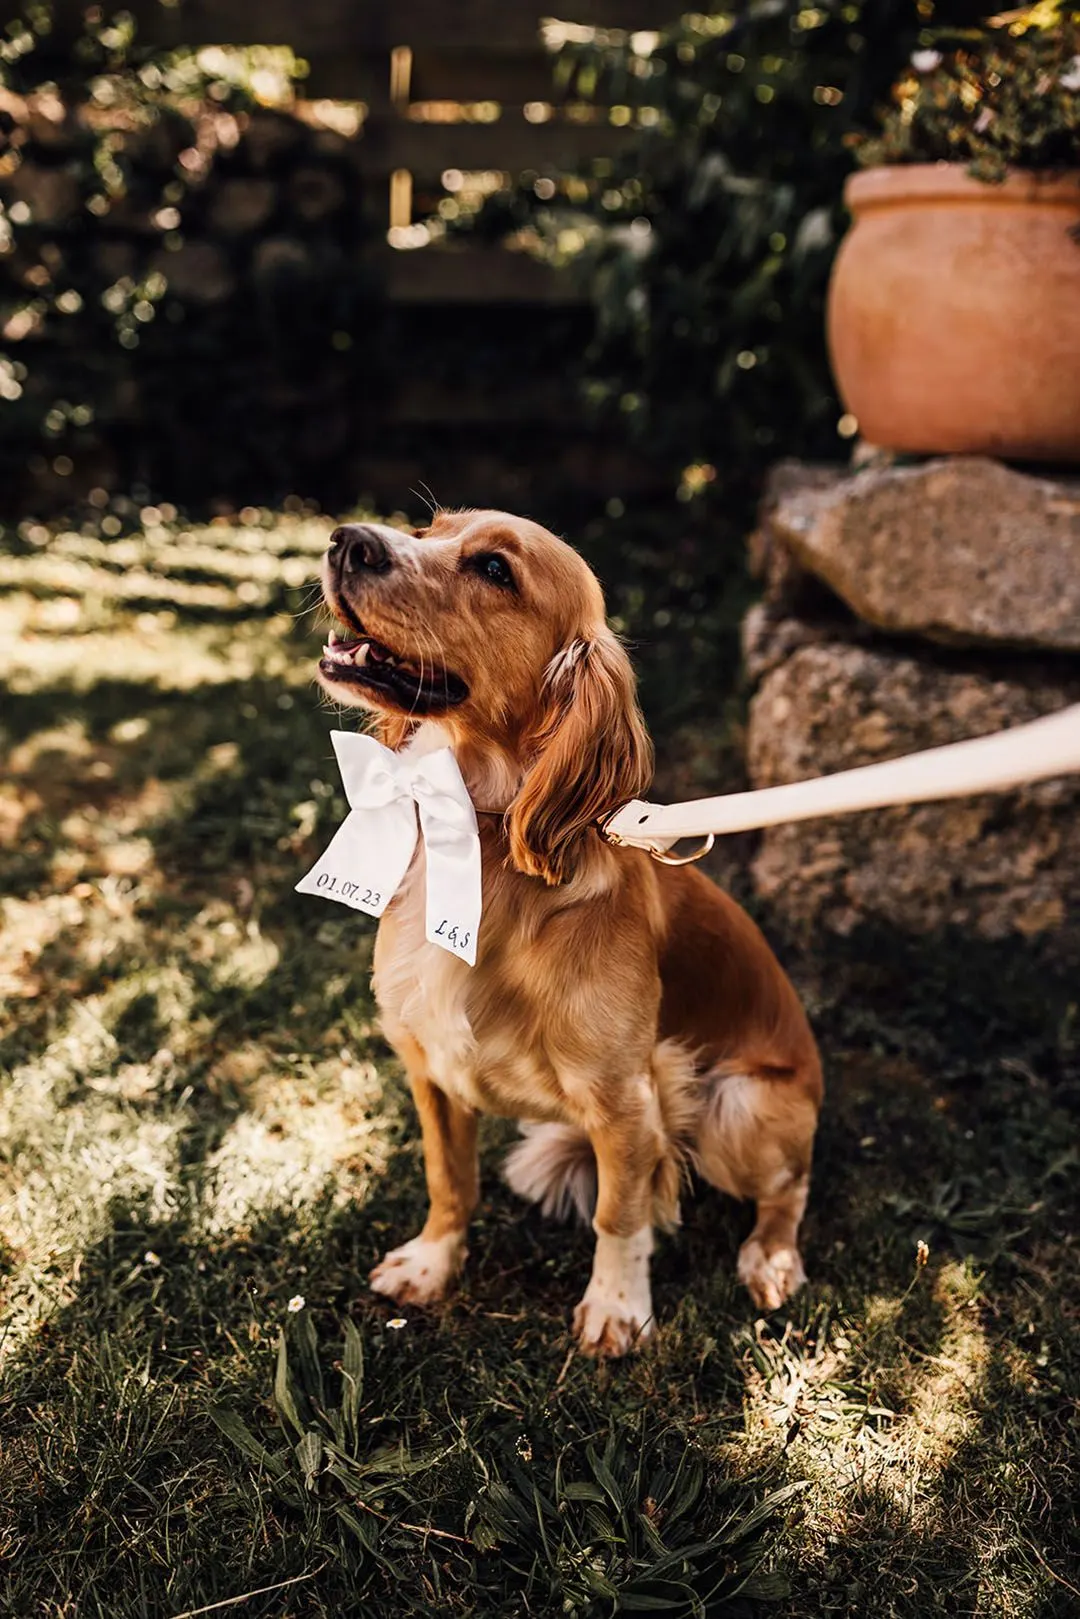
pixel 199 1124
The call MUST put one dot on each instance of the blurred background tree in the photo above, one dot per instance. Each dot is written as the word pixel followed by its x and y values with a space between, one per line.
pixel 706 248
pixel 190 306
pixel 191 310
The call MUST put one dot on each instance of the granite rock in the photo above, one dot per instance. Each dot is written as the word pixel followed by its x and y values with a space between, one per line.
pixel 961 550
pixel 993 865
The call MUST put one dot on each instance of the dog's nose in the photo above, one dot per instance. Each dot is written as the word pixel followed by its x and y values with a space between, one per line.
pixel 360 549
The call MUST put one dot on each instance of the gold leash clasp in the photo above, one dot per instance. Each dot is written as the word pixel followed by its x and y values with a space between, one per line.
pixel 666 858
pixel 663 856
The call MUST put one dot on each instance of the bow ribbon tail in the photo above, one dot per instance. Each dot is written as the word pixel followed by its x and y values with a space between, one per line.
pixel 454 885
pixel 366 860
pixel 370 852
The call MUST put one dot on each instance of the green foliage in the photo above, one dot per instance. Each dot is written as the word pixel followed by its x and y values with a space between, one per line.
pixel 643 1525
pixel 326 1459
pixel 639 1526
pixel 706 246
pixel 164 221
pixel 1004 96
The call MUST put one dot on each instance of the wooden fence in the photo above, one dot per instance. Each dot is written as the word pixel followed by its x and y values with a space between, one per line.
pixel 449 89
pixel 461 86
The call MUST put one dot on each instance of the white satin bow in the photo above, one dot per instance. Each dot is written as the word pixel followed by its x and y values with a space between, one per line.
pixel 373 848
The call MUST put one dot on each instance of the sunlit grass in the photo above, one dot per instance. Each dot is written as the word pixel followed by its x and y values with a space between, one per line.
pixel 199 1123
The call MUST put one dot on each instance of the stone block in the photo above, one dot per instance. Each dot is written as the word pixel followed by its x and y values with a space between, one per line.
pixel 994 865
pixel 962 550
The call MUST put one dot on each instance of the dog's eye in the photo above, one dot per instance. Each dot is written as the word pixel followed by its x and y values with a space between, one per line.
pixel 493 567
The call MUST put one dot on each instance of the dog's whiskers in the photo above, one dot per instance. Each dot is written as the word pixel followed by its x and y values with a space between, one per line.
pixel 428 498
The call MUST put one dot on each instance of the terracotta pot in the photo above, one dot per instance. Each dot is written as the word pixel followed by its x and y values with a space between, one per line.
pixel 954 312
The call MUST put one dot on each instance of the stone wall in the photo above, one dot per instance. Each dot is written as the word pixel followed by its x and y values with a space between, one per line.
pixel 226 331
pixel 208 336
pixel 905 608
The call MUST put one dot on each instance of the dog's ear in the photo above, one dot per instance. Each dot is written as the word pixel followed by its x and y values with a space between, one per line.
pixel 590 753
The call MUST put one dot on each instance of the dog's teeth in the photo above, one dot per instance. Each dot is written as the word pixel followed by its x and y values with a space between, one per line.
pixel 356 656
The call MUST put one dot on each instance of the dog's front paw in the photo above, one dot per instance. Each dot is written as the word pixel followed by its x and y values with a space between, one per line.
pixel 616 1313
pixel 605 1328
pixel 420 1271
pixel 771 1277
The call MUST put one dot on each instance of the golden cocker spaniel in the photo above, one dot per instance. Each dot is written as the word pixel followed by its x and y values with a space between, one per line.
pixel 630 1014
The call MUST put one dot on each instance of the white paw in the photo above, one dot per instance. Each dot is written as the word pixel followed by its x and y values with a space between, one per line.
pixel 770 1277
pixel 420 1271
pixel 616 1313
pixel 606 1328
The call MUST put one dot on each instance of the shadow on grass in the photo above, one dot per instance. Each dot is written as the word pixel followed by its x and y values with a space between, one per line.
pixel 120 1461
pixel 122 1497
pixel 951 1119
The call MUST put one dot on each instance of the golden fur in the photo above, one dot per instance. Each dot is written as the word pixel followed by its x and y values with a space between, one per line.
pixel 633 1012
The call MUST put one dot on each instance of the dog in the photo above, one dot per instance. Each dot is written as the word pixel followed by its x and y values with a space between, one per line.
pixel 630 1014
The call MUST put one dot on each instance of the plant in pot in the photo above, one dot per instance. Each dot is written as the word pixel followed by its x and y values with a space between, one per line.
pixel 954 303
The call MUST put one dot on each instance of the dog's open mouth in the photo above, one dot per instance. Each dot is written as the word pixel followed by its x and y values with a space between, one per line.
pixel 413 684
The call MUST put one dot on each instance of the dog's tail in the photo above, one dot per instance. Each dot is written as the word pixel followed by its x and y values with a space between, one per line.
pixel 554 1166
